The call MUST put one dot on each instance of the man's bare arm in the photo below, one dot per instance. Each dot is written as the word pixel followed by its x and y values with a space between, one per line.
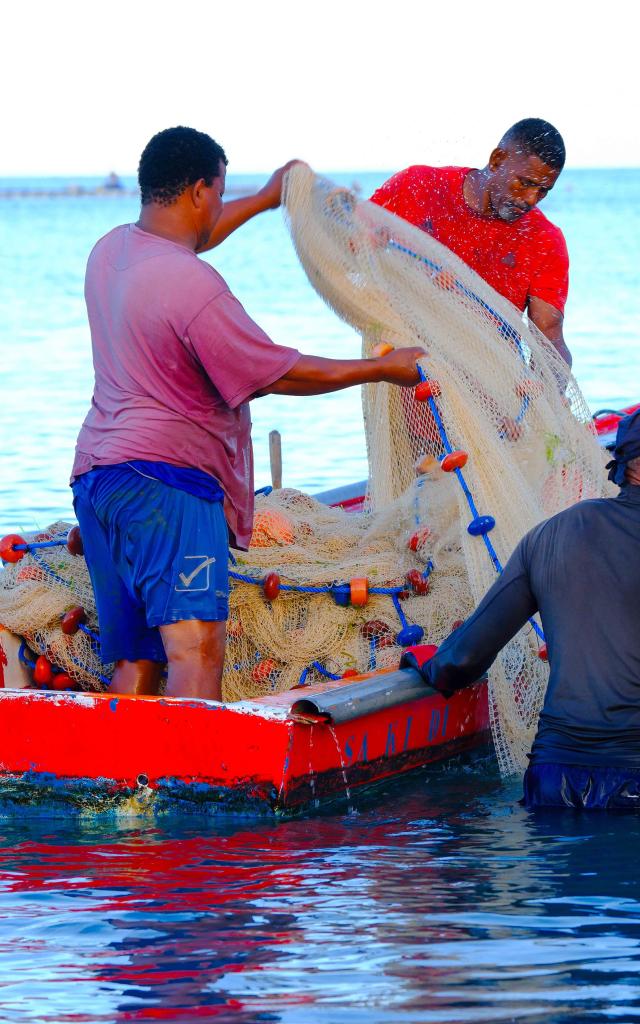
pixel 549 320
pixel 314 375
pixel 237 212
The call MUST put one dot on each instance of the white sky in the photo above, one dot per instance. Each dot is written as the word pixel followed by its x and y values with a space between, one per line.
pixel 343 84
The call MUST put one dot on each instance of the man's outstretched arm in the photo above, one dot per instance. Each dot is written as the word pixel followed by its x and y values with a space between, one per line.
pixel 237 212
pixel 471 649
pixel 315 375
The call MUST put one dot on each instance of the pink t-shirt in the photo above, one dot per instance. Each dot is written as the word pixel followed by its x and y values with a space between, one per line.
pixel 175 357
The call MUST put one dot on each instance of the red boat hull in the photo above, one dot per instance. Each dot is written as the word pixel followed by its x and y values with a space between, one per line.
pixel 142 755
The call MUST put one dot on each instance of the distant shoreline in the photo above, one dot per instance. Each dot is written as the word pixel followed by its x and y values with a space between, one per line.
pixel 72 191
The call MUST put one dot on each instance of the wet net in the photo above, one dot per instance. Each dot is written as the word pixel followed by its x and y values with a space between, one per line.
pixel 496 437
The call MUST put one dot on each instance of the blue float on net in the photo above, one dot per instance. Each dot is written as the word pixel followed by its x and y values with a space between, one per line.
pixel 341 594
pixel 481 525
pixel 410 635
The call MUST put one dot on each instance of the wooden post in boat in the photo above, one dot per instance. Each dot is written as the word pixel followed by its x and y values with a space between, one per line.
pixel 275 458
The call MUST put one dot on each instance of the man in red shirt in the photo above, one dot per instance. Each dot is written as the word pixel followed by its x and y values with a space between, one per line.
pixel 488 217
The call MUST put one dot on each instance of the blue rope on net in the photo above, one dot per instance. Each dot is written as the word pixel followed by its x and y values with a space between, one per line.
pixel 480 525
pixel 33 545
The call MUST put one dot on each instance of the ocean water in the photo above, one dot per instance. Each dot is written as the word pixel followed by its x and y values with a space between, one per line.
pixel 437 899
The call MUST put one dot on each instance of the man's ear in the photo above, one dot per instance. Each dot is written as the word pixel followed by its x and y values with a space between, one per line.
pixel 497 158
pixel 196 191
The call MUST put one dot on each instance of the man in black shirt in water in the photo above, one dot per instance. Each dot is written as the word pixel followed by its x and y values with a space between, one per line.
pixel 581 571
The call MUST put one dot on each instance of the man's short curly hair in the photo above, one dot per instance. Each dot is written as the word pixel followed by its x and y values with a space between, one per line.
pixel 538 137
pixel 174 159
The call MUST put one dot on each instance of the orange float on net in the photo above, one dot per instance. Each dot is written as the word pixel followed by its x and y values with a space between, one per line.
pixel 7 549
pixel 543 653
pixel 349 673
pixel 359 592
pixel 383 348
pixel 427 389
pixel 419 538
pixel 270 528
pixel 454 460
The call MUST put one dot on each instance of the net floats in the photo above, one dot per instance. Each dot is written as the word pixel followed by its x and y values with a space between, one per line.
pixel 42 671
pixel 359 591
pixel 481 525
pixel 72 620
pixel 9 550
pixel 419 538
pixel 454 460
pixel 271 586
pixel 74 541
pixel 427 389
pixel 417 582
pixel 409 635
pixel 377 632
pixel 355 593
pixel 263 670
pixel 383 348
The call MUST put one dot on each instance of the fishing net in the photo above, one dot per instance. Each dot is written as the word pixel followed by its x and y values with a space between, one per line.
pixel 494 439
pixel 494 389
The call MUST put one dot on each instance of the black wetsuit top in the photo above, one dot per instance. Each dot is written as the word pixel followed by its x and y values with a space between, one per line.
pixel 581 571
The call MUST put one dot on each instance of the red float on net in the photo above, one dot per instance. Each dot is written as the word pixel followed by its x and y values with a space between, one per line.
pixel 63 681
pixel 417 582
pixel 271 586
pixel 74 541
pixel 454 460
pixel 262 671
pixel 427 389
pixel 72 620
pixel 419 538
pixel 7 548
pixel 42 671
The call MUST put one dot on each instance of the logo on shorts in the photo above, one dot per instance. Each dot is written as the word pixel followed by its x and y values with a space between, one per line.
pixel 198 577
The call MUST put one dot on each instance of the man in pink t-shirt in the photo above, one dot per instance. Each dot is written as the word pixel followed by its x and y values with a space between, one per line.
pixel 163 467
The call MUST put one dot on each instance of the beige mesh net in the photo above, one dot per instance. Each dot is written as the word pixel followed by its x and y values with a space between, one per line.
pixel 322 592
pixel 503 396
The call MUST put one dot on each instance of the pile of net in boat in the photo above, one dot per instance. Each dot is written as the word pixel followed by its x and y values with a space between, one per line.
pixel 496 437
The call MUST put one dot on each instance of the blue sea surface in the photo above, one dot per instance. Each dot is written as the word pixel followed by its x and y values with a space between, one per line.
pixel 436 899
pixel 439 900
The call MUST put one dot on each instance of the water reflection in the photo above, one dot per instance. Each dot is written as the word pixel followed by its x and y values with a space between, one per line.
pixel 445 902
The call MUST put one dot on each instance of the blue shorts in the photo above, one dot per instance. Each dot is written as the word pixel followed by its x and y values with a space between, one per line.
pixel 583 787
pixel 155 554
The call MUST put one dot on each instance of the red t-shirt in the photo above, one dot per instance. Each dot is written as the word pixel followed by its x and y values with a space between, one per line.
pixel 527 257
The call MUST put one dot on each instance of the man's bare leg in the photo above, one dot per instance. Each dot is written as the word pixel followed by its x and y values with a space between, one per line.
pixel 140 678
pixel 195 652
